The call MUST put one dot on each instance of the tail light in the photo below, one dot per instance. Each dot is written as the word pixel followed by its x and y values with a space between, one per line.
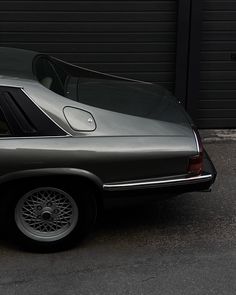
pixel 195 166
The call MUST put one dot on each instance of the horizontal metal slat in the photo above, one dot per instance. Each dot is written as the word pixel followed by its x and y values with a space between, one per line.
pixel 215 55
pixel 218 25
pixel 214 5
pixel 218 94
pixel 87 37
pixel 88 27
pixel 218 45
pixel 218 76
pixel 95 6
pixel 218 66
pixel 217 113
pixel 217 103
pixel 218 85
pixel 219 15
pixel 95 47
pixel 87 16
pixel 219 36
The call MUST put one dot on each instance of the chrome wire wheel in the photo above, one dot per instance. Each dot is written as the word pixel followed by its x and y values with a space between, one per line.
pixel 46 214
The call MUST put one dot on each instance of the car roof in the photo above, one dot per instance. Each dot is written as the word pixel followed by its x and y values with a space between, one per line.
pixel 17 63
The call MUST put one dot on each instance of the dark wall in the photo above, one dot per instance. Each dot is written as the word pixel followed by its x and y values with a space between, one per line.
pixel 217 104
pixel 136 39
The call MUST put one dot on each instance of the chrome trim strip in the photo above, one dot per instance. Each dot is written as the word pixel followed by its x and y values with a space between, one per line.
pixel 67 133
pixel 156 183
pixel 197 143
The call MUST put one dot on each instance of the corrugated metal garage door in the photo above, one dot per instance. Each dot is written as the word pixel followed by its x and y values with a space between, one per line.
pixel 217 105
pixel 132 38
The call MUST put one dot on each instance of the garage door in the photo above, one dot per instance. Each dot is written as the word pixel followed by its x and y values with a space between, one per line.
pixel 217 105
pixel 136 39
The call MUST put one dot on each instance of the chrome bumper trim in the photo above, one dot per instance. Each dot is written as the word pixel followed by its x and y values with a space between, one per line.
pixel 156 183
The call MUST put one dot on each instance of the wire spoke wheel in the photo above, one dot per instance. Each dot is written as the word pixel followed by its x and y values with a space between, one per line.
pixel 46 214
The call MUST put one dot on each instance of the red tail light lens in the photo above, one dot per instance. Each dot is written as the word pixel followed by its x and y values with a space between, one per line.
pixel 195 166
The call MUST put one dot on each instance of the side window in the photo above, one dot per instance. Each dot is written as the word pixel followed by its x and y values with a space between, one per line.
pixel 48 76
pixel 4 129
pixel 20 117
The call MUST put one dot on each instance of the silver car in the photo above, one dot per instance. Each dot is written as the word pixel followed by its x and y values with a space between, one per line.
pixel 72 136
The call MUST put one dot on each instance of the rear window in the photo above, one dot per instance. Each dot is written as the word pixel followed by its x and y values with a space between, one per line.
pixel 103 91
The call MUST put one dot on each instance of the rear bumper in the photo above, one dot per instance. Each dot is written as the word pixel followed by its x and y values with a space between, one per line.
pixel 176 185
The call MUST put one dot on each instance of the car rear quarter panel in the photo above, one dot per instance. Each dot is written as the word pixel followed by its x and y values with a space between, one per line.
pixel 109 158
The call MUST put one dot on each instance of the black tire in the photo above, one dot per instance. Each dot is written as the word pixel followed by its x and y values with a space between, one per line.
pixel 83 199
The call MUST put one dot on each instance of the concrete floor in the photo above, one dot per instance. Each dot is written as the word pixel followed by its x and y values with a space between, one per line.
pixel 186 245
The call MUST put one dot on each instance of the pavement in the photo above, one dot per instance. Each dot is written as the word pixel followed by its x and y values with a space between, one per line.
pixel 218 135
pixel 186 245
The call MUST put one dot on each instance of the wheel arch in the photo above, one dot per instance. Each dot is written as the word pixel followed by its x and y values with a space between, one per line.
pixel 44 172
pixel 68 174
